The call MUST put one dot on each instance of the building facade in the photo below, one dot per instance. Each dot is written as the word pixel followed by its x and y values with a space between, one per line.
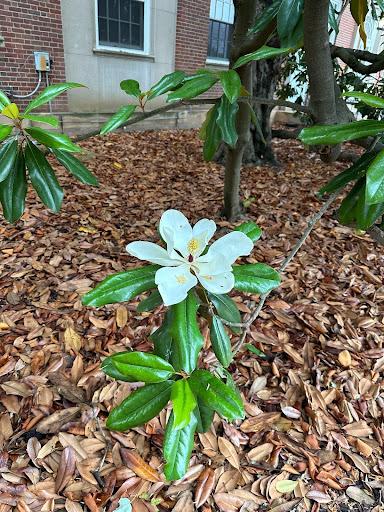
pixel 98 43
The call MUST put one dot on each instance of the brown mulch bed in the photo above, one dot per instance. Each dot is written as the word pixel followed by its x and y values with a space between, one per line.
pixel 314 406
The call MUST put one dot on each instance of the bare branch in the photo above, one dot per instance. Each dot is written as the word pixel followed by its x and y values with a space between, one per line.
pixel 311 223
pixel 355 58
pixel 377 234
pixel 198 101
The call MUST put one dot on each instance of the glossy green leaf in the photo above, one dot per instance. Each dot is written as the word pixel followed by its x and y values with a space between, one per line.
pixel 5 131
pixel 162 337
pixel 255 350
pixel 110 369
pixel 140 406
pixel 51 120
pixel 354 172
pixel 211 134
pixel 53 139
pixel 265 52
pixel 267 15
pixel 131 87
pixel 226 120
pixel 288 18
pixel 375 180
pixel 366 98
pixel 183 403
pixel 8 153
pixel 121 287
pixel 226 308
pixel 43 178
pixel 380 3
pixel 250 229
pixel 118 119
pixel 192 88
pixel 216 395
pixel 255 278
pixel 231 84
pixel 204 416
pixel 186 335
pixel 220 341
pixel 13 190
pixel 143 367
pixel 166 83
pixel 367 214
pixel 335 134
pixel 4 100
pixel 347 211
pixel 148 304
pixel 333 18
pixel 75 167
pixel 49 93
pixel 177 448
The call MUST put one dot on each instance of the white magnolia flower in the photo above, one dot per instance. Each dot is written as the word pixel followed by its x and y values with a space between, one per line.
pixel 183 262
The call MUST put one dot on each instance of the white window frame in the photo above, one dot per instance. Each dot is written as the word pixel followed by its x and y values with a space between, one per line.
pixel 129 51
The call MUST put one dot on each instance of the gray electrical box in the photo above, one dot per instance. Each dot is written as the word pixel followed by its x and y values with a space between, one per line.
pixel 42 61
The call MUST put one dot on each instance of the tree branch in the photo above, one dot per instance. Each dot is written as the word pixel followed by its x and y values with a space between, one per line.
pixel 199 101
pixel 353 59
pixel 311 223
pixel 377 234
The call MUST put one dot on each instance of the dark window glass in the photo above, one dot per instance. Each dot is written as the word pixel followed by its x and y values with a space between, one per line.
pixel 121 23
pixel 103 30
pixel 220 34
pixel 103 8
pixel 113 9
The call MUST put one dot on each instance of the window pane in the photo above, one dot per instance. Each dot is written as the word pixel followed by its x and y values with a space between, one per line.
pixel 113 31
pixel 102 7
pixel 113 9
pixel 137 12
pixel 219 39
pixel 121 23
pixel 125 34
pixel 125 10
pixel 137 41
pixel 103 32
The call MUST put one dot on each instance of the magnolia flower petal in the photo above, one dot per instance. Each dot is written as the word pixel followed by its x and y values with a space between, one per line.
pixel 174 283
pixel 176 231
pixel 212 264
pixel 231 246
pixel 151 252
pixel 202 232
pixel 219 283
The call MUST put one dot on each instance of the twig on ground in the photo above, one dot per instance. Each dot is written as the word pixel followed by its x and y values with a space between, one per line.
pixel 311 223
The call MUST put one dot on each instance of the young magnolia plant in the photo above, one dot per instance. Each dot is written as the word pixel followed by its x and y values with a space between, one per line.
pixel 21 157
pixel 192 279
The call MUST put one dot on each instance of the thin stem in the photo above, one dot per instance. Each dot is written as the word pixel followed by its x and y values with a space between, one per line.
pixel 311 223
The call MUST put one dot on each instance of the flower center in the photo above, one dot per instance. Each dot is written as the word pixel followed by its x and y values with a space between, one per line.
pixel 193 245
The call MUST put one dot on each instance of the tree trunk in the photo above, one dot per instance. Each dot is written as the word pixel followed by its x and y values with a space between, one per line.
pixel 244 17
pixel 265 77
pixel 318 57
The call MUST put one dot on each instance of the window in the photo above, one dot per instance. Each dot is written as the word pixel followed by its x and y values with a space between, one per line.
pixel 122 24
pixel 220 29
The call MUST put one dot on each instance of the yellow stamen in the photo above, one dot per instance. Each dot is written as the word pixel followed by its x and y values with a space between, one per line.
pixel 193 245
pixel 181 279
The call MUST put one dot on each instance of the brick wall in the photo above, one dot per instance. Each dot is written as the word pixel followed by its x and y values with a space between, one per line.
pixel 27 26
pixel 192 34
pixel 348 28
